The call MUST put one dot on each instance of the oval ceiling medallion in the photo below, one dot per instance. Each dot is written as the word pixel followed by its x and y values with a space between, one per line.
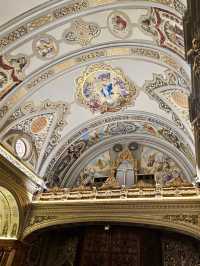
pixel 180 99
pixel 119 24
pixel 22 148
pixel 102 88
pixel 45 47
pixel 39 124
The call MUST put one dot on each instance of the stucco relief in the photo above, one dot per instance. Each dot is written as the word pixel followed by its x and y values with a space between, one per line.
pixel 171 91
pixel 32 127
pixel 144 53
pixel 81 32
pixel 45 47
pixel 9 215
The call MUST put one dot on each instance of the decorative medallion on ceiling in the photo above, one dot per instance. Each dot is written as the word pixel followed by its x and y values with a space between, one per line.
pixel 102 88
pixel 81 32
pixel 119 24
pixel 45 47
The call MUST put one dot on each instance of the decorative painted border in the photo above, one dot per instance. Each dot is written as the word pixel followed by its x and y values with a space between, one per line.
pixel 180 214
pixel 76 144
pixel 50 15
pixel 68 63
pixel 44 36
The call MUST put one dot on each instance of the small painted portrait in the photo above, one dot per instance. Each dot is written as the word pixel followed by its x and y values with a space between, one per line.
pixel 45 47
pixel 119 24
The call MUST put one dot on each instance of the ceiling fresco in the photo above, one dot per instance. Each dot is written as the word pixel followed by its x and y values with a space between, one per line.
pixel 130 162
pixel 79 77
pixel 96 135
pixel 104 89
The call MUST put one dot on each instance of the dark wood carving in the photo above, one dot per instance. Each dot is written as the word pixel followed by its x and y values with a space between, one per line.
pixel 119 246
pixel 92 245
pixel 192 47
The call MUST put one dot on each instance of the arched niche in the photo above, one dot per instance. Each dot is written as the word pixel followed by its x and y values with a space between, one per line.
pixel 9 215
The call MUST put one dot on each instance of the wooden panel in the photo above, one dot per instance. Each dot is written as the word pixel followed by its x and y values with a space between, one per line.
pixel 110 248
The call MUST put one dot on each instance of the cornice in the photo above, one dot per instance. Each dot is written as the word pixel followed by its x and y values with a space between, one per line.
pixel 19 169
pixel 175 214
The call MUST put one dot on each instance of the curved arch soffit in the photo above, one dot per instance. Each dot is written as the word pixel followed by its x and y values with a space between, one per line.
pixel 64 65
pixel 116 216
pixel 55 14
pixel 177 157
pixel 9 214
pixel 83 57
pixel 137 120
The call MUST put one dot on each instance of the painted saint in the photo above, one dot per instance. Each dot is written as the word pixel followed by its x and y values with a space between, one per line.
pixel 106 86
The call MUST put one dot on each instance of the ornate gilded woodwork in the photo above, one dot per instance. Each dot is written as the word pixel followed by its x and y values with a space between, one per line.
pixel 179 251
pixel 179 213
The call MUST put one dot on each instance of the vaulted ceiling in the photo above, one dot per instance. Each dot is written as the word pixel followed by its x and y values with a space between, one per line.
pixel 78 77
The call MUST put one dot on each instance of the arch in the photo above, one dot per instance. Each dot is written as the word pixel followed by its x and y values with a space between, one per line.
pixel 182 216
pixel 84 57
pixel 109 123
pixel 58 12
pixel 9 215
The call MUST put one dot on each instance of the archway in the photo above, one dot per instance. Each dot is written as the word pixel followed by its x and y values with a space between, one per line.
pixel 101 244
pixel 9 215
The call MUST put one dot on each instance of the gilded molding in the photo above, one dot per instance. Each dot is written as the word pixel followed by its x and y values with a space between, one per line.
pixel 40 219
pixel 111 190
pixel 183 219
pixel 178 214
